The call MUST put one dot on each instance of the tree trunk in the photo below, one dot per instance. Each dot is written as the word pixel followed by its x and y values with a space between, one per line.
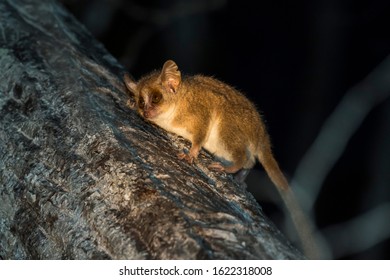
pixel 82 176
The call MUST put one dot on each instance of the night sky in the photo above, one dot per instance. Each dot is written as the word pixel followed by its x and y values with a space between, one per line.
pixel 295 60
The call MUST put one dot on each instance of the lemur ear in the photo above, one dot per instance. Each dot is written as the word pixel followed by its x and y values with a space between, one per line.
pixel 170 76
pixel 130 84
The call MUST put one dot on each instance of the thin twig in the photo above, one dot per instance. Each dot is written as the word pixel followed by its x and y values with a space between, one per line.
pixel 337 131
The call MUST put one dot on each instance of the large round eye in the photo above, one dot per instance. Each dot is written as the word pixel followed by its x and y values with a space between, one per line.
pixel 141 103
pixel 156 97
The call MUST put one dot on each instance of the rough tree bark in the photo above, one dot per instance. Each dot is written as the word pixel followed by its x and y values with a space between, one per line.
pixel 83 177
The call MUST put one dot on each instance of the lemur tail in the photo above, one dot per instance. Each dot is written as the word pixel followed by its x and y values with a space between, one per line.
pixel 303 225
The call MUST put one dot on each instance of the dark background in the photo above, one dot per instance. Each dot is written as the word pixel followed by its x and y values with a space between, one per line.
pixel 296 60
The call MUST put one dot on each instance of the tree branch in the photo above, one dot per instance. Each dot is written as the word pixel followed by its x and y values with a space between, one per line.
pixel 84 177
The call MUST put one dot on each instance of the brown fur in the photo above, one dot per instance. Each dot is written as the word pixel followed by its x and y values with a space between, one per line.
pixel 217 117
pixel 203 107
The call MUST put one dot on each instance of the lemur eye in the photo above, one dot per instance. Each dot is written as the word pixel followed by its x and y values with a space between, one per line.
pixel 141 103
pixel 156 97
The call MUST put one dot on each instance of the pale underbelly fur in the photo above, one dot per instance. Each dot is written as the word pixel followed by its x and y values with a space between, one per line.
pixel 212 143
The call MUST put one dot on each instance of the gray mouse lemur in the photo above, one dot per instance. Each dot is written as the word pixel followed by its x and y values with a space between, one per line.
pixel 214 116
